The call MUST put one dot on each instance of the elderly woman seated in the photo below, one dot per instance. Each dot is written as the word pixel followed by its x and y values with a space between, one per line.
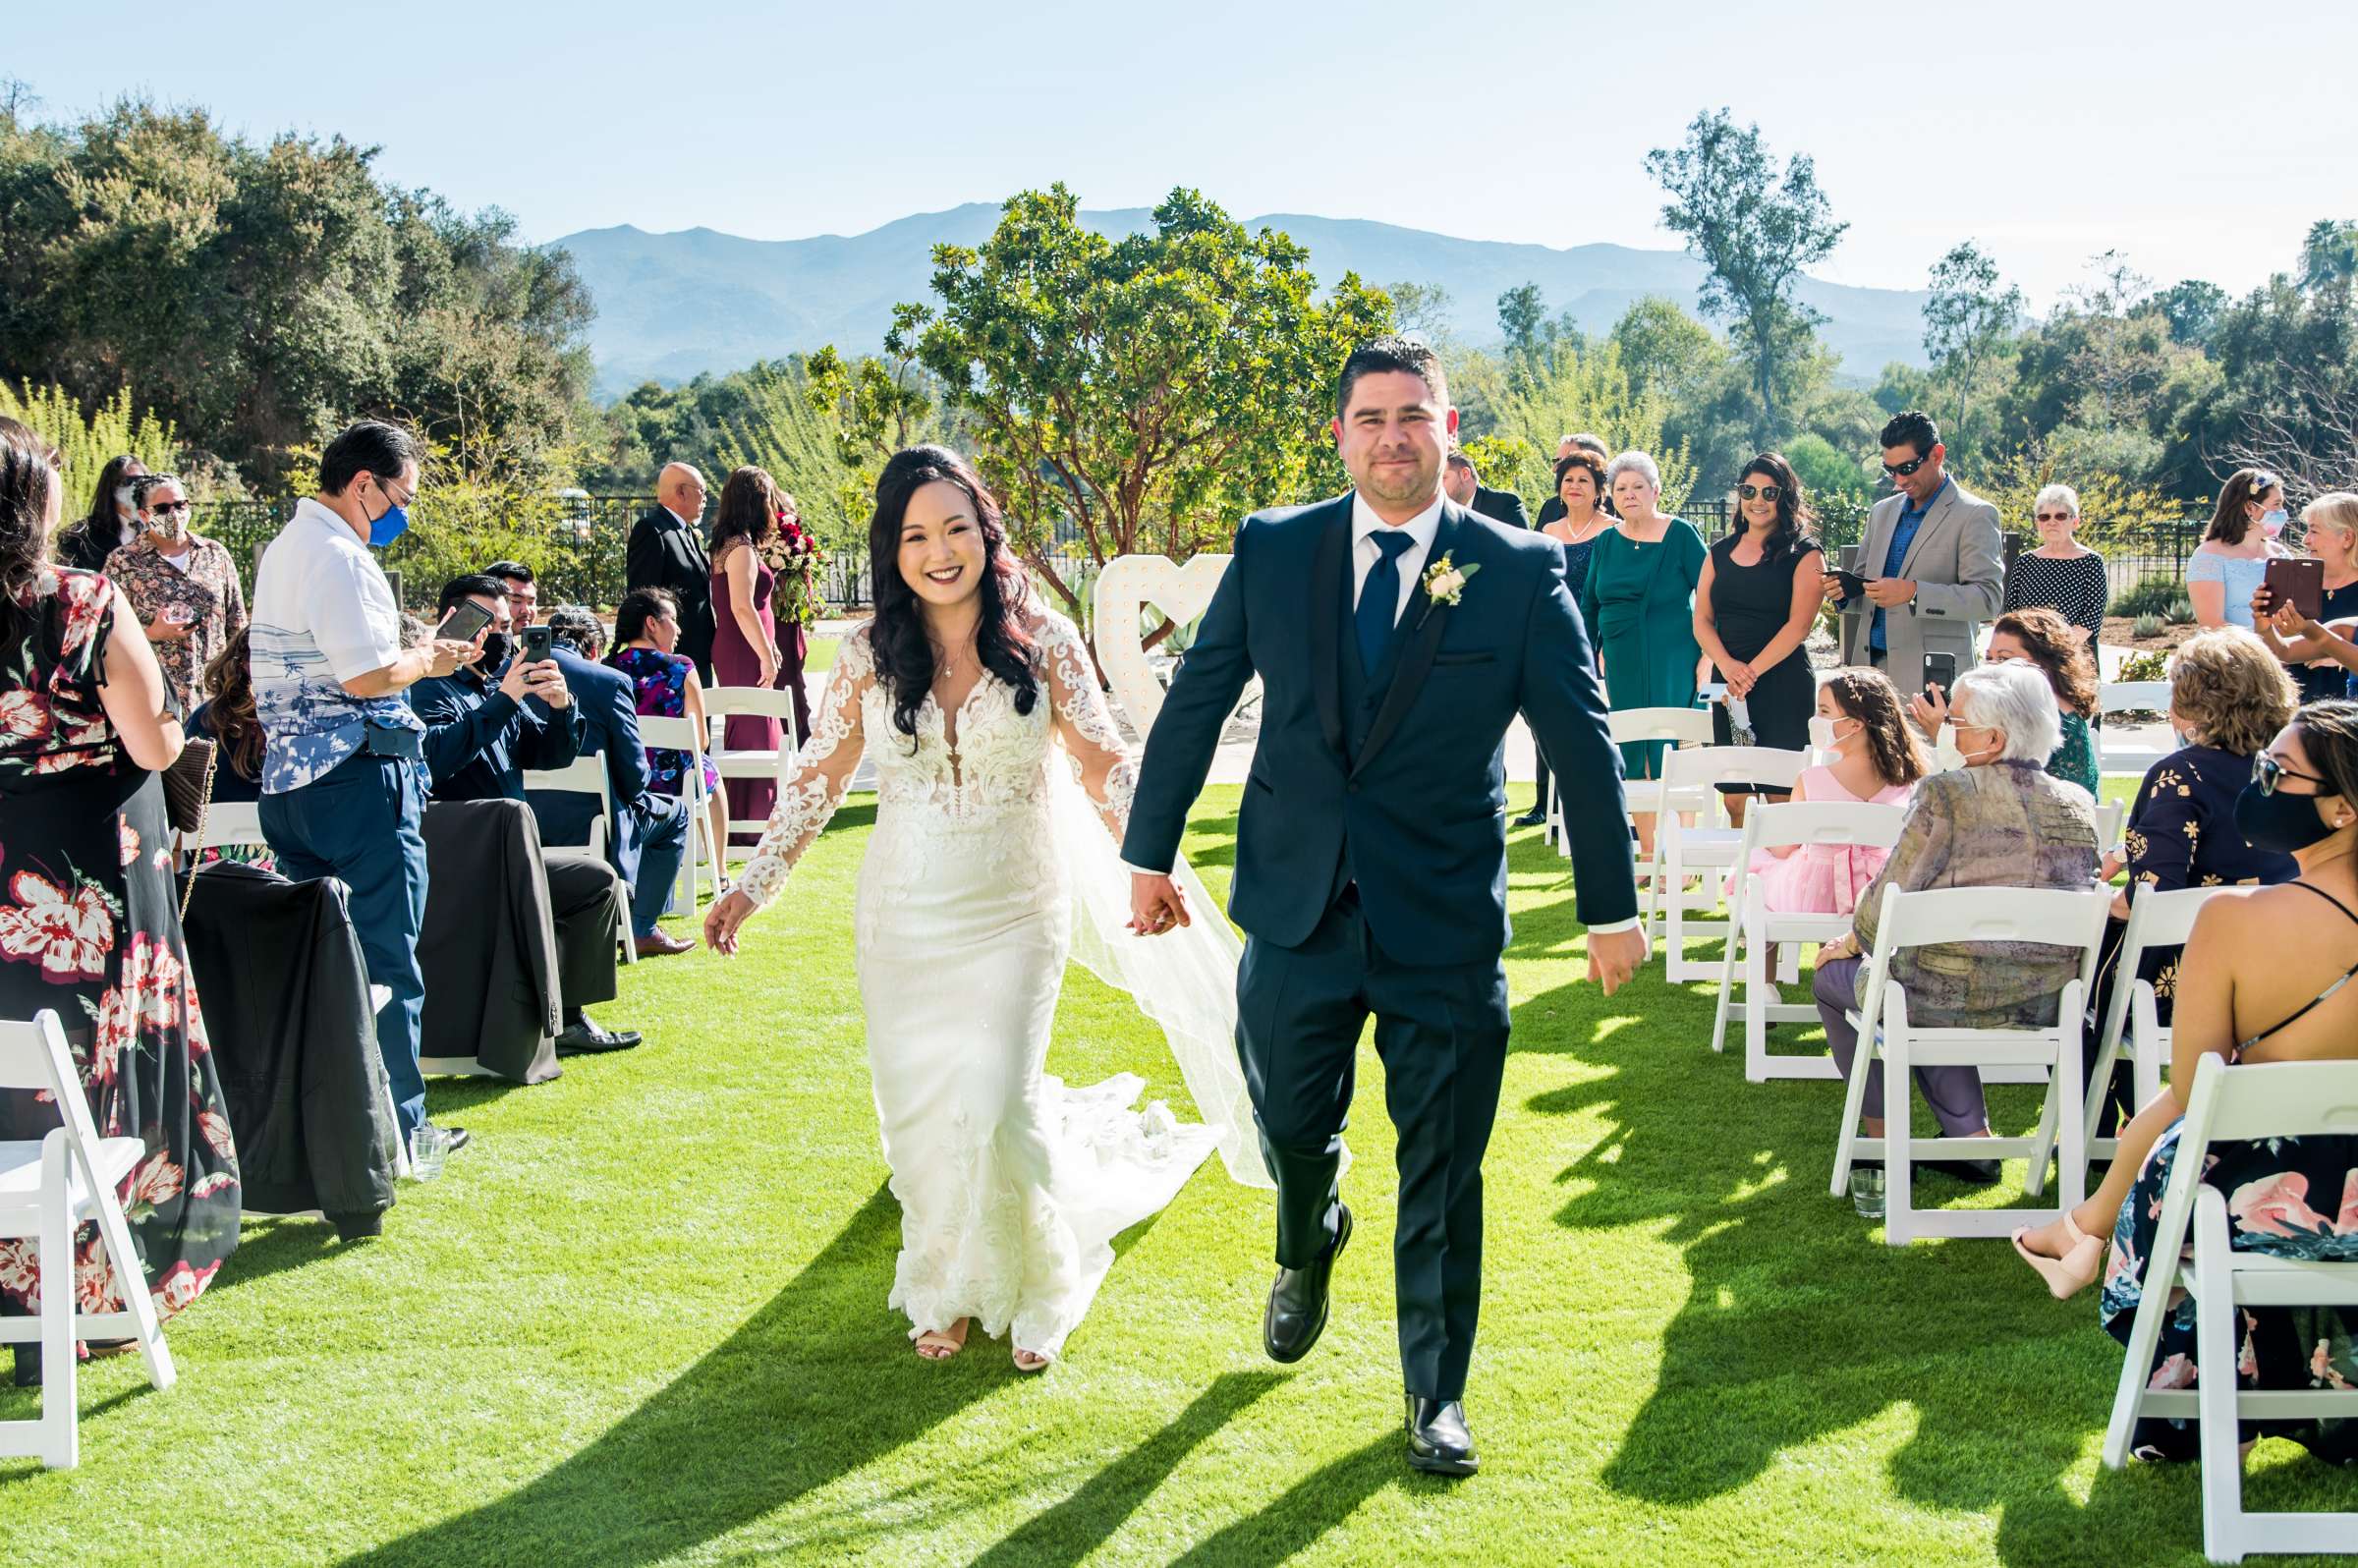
pixel 2002 820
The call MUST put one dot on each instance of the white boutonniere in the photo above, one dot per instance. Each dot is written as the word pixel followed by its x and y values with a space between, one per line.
pixel 1445 582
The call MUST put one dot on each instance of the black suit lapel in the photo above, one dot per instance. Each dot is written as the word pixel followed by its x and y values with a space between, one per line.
pixel 1330 583
pixel 1413 648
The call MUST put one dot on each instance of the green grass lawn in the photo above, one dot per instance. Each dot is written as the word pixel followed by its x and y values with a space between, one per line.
pixel 642 1321
pixel 821 656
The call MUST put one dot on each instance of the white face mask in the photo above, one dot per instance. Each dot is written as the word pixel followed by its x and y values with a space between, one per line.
pixel 1989 755
pixel 1822 733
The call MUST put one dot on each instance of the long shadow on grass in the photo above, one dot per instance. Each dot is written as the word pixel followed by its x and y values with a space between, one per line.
pixel 1085 1520
pixel 817 1385
pixel 1310 1508
pixel 1799 1322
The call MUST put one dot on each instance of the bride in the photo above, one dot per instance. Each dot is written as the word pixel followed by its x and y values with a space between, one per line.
pixel 976 887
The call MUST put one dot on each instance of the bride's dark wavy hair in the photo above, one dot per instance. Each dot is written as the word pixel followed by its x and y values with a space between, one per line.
pixel 903 651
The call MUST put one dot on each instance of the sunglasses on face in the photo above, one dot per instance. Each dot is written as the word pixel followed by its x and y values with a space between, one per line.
pixel 2267 774
pixel 2054 517
pixel 169 506
pixel 1765 492
pixel 1900 471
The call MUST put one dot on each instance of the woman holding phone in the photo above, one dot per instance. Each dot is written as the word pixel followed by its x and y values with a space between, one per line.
pixel 2226 568
pixel 2320 663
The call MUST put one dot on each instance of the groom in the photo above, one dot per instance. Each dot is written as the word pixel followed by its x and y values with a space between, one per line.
pixel 1396 634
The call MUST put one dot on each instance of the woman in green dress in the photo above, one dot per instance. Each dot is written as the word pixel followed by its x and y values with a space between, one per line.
pixel 1639 600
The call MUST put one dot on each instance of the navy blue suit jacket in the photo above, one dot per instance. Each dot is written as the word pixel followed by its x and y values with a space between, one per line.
pixel 1418 802
pixel 610 711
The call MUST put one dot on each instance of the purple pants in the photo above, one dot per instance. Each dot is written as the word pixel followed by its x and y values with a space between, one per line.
pixel 1954 1092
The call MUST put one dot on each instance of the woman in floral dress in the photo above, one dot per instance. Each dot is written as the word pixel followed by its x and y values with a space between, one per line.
pixel 89 923
pixel 663 685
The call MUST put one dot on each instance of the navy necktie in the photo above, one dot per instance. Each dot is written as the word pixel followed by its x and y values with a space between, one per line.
pixel 1380 597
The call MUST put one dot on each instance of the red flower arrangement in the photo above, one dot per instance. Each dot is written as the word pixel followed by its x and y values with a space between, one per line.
pixel 794 556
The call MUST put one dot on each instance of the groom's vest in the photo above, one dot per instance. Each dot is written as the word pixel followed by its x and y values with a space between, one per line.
pixel 1363 697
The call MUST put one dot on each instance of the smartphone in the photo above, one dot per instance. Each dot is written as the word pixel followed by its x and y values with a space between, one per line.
pixel 1853 585
pixel 2299 580
pixel 1940 669
pixel 533 644
pixel 466 618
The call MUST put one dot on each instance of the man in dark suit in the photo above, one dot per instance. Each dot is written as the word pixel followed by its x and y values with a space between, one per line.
pixel 651 830
pixel 1462 482
pixel 667 551
pixel 1370 856
pixel 480 739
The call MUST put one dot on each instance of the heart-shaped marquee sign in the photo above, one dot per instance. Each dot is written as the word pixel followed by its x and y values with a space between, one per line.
pixel 1126 585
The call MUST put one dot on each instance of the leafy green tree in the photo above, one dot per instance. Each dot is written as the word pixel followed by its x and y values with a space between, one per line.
pixel 1140 393
pixel 1568 389
pixel 87 442
pixel 1966 322
pixel 2192 308
pixel 1666 351
pixel 1421 310
pixel 1825 471
pixel 1755 228
pixel 2330 254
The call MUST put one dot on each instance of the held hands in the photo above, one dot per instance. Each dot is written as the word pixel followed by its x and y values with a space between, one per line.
pixel 542 680
pixel 729 912
pixel 1740 677
pixel 1890 592
pixel 1155 904
pixel 1615 956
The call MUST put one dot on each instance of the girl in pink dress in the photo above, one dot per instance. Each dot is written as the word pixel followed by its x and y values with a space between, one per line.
pixel 1875 759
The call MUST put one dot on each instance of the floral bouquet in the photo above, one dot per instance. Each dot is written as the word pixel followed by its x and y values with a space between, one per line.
pixel 794 556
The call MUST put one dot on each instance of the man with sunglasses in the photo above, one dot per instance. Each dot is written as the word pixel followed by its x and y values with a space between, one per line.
pixel 183 587
pixel 1933 562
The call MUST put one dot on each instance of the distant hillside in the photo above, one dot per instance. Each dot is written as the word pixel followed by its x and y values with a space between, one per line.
pixel 672 304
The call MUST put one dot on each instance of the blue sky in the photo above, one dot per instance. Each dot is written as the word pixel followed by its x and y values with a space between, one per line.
pixel 2197 139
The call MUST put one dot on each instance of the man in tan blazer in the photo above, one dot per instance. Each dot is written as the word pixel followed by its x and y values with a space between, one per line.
pixel 1933 562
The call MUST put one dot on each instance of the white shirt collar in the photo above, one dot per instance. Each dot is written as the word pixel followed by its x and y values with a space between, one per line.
pixel 1421 528
pixel 318 512
pixel 681 521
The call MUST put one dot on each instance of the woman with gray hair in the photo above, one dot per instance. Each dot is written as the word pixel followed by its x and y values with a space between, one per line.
pixel 2001 821
pixel 1638 602
pixel 2062 575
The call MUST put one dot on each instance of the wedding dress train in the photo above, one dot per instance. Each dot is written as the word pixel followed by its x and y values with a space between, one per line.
pixel 1012 1186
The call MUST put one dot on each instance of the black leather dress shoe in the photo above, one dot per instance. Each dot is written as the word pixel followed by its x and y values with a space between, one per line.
pixel 459 1136
pixel 584 1035
pixel 1438 1442
pixel 1972 1172
pixel 1530 820
pixel 1297 1310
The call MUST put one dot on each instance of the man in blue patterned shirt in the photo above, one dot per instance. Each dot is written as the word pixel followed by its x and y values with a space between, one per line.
pixel 343 788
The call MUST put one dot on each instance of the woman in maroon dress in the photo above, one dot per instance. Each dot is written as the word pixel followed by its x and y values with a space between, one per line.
pixel 745 639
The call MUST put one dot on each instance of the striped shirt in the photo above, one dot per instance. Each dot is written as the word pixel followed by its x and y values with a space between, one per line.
pixel 322 614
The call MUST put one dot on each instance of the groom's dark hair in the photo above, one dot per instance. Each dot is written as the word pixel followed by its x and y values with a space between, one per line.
pixel 1387 354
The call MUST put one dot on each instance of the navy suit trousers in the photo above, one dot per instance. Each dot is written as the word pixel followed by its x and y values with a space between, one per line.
pixel 360 823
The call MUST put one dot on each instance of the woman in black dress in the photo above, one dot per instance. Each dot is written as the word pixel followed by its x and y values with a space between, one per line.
pixel 90 924
pixel 2062 575
pixel 1758 597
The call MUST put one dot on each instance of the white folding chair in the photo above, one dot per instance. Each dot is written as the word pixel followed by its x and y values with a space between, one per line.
pixel 229 824
pixel 2127 697
pixel 583 775
pixel 723 703
pixel 1690 783
pixel 1678 726
pixel 2156 920
pixel 2058 916
pixel 48 1191
pixel 2237 1104
pixel 679 735
pixel 2112 825
pixel 1757 927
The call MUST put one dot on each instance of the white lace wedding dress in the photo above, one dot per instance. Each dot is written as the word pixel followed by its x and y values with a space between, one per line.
pixel 1012 1186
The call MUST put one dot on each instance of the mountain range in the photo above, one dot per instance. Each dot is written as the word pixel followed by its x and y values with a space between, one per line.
pixel 670 305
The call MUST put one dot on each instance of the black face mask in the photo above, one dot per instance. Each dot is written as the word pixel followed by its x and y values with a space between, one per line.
pixel 495 655
pixel 2284 822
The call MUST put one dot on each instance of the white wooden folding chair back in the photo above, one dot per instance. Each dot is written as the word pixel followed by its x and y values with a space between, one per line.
pixel 723 703
pixel 1690 782
pixel 2133 1015
pixel 1676 726
pixel 2127 697
pixel 2112 825
pixel 2054 917
pixel 583 775
pixel 1828 825
pixel 48 1190
pixel 229 824
pixel 680 735
pixel 2237 1104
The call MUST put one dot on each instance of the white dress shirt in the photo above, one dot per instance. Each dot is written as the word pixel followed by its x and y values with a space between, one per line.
pixel 1419 529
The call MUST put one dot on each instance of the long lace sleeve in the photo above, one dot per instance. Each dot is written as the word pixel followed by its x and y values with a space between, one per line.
pixel 1101 761
pixel 828 759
